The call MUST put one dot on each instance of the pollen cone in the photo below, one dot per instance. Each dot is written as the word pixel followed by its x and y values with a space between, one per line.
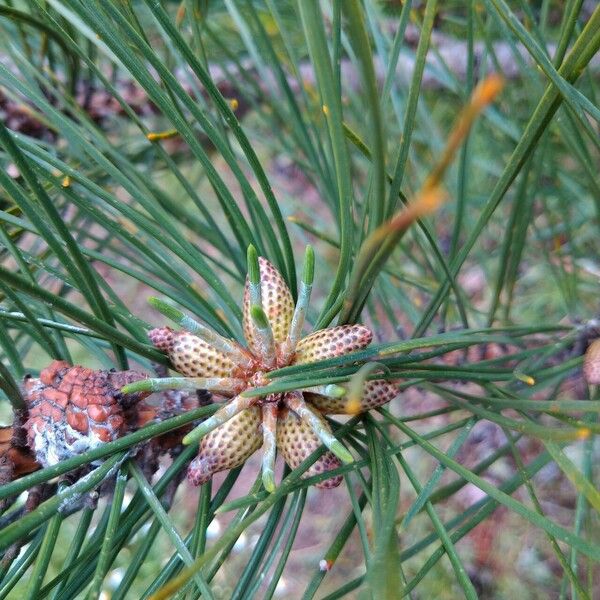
pixel 297 441
pixel 227 446
pixel 190 355
pixel 332 342
pixel 277 303
pixel 376 393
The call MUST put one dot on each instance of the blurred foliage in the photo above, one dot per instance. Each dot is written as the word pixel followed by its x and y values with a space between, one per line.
pixel 146 144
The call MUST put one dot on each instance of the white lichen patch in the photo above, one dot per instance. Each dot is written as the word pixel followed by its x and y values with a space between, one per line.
pixel 59 441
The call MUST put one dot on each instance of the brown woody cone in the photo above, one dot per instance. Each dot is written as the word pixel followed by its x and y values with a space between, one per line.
pixel 15 461
pixel 74 409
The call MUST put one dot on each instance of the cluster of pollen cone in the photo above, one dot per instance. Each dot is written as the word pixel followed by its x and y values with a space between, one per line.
pixel 293 422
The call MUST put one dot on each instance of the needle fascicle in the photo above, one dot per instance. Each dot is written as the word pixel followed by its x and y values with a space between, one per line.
pixel 330 390
pixel 228 411
pixel 269 430
pixel 308 275
pixel 224 385
pixel 296 403
pixel 264 335
pixel 253 276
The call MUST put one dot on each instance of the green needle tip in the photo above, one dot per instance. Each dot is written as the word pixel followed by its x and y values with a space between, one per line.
pixel 340 451
pixel 259 316
pixel 253 268
pixel 268 480
pixel 143 385
pixel 335 391
pixel 308 274
pixel 165 308
pixel 199 432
